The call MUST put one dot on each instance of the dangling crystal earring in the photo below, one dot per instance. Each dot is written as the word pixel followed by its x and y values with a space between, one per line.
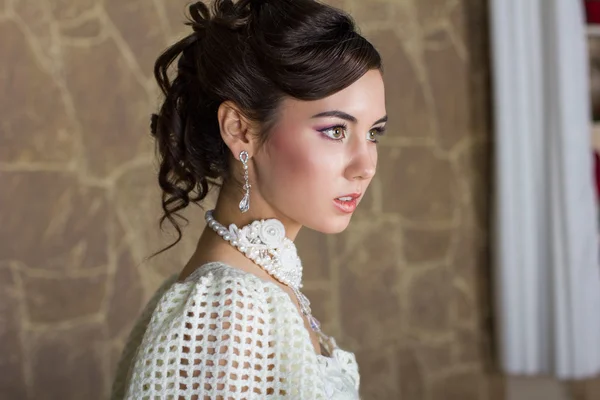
pixel 245 203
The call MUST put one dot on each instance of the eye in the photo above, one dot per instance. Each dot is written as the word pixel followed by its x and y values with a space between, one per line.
pixel 335 132
pixel 374 133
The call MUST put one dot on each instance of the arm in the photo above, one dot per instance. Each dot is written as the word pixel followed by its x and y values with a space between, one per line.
pixel 234 338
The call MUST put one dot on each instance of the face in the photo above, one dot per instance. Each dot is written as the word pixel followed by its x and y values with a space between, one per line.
pixel 321 155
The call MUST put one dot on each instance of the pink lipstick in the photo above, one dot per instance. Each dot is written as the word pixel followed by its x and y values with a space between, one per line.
pixel 347 203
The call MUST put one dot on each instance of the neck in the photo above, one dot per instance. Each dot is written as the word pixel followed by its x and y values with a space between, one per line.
pixel 227 211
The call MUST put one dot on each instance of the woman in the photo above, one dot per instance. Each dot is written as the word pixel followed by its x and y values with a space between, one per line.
pixel 282 102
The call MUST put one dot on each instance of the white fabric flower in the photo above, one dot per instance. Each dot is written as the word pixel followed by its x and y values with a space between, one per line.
pixel 272 233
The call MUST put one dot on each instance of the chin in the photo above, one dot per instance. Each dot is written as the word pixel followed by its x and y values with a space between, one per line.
pixel 331 225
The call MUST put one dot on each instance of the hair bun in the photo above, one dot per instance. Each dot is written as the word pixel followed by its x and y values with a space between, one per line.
pixel 199 16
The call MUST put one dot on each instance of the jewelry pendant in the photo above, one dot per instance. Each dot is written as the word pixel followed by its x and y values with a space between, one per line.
pixel 315 325
pixel 245 203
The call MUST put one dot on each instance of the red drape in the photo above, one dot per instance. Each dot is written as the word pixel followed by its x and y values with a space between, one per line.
pixel 592 11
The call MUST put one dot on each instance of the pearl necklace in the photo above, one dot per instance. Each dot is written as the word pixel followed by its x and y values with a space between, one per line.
pixel 264 242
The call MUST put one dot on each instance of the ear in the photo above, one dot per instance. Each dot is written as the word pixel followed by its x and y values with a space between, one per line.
pixel 237 131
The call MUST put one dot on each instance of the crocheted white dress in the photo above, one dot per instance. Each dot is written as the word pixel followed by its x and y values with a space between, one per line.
pixel 227 334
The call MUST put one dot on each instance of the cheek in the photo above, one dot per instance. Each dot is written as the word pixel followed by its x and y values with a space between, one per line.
pixel 288 158
pixel 301 163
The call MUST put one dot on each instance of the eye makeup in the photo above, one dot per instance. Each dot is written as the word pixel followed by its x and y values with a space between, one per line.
pixel 378 131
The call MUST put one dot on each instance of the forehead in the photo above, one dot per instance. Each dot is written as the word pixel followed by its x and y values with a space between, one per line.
pixel 364 99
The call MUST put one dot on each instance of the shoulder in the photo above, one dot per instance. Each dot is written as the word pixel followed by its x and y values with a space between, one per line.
pixel 218 273
pixel 215 288
pixel 222 280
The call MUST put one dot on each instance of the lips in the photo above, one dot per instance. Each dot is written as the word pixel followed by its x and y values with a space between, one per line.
pixel 350 196
pixel 347 203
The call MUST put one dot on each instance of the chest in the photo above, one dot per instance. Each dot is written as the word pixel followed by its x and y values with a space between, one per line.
pixel 314 337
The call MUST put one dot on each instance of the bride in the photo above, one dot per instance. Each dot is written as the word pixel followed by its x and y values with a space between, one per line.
pixel 281 104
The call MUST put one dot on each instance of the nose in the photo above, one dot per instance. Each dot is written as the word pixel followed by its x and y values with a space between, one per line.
pixel 363 161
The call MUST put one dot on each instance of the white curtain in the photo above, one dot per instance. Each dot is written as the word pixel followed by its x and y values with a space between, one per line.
pixel 547 274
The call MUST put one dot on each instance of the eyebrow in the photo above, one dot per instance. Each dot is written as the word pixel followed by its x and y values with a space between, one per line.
pixel 345 116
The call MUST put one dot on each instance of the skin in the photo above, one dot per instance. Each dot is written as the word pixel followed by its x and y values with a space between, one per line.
pixel 305 164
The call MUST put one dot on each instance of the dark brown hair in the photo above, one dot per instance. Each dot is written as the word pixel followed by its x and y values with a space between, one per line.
pixel 253 53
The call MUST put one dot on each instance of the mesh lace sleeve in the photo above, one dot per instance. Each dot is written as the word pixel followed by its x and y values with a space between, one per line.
pixel 229 338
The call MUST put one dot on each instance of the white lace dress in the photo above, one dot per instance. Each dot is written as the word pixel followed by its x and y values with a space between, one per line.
pixel 227 334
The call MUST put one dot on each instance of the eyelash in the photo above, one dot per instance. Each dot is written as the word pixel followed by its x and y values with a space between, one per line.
pixel 379 132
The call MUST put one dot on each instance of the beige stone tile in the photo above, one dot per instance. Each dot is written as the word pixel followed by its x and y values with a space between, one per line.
pixel 433 11
pixel 365 12
pixel 459 385
pixel 13 383
pixel 313 250
pixel 54 223
pixel 68 9
pixel 411 376
pixel 69 363
pixel 90 29
pixel 35 126
pixel 452 115
pixel 60 297
pixel 369 269
pixel 424 245
pixel 408 109
pixel 126 296
pixel 378 373
pixel 111 105
pixel 427 296
pixel 139 25
pixel 419 184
